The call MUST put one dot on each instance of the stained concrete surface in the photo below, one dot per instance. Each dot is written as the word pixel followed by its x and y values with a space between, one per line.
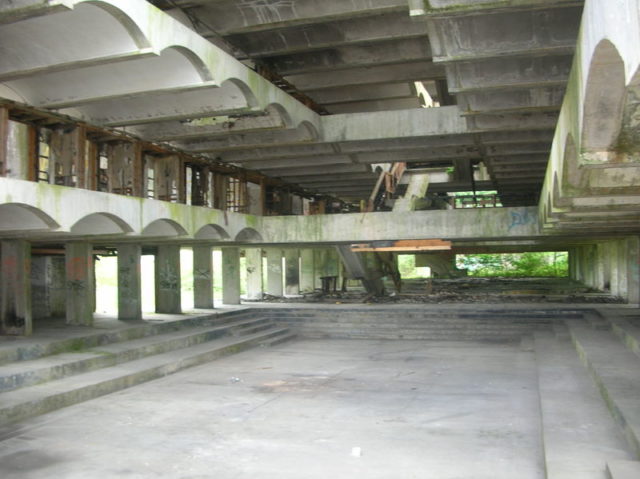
pixel 417 409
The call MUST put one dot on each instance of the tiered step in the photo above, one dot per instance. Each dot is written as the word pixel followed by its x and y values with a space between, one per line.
pixel 36 386
pixel 616 371
pixel 579 435
pixel 419 324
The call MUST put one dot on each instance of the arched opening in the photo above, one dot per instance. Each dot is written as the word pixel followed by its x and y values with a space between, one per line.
pixel 22 217
pixel 604 98
pixel 164 228
pixel 248 235
pixel 100 224
pixel 212 232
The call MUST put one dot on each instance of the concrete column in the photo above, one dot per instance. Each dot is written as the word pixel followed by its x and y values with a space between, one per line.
pixel 79 282
pixel 307 271
pixel 622 268
pixel 15 281
pixel 292 272
pixel 253 257
pixel 633 270
pixel 613 262
pixel 600 270
pixel 41 287
pixel 129 282
pixel 274 272
pixel 203 277
pixel 231 275
pixel 57 290
pixel 167 279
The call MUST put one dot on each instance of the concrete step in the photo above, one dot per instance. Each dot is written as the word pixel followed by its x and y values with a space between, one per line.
pixel 579 435
pixel 48 368
pixel 623 470
pixel 42 398
pixel 279 339
pixel 628 333
pixel 65 339
pixel 616 372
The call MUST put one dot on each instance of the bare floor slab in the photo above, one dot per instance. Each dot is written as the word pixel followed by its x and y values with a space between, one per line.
pixel 305 409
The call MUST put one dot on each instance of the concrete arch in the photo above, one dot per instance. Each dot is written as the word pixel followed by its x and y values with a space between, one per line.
pixel 92 31
pixel 249 95
pixel 100 224
pixel 164 228
pixel 249 235
pixel 23 217
pixel 212 232
pixel 125 19
pixel 276 109
pixel 309 131
pixel 604 98
pixel 198 64
pixel 571 173
pixel 171 70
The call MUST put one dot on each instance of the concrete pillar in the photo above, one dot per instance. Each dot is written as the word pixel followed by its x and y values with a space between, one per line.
pixel 203 277
pixel 600 270
pixel 167 279
pixel 307 271
pixel 41 287
pixel 15 281
pixel 57 290
pixel 231 275
pixel 613 262
pixel 129 282
pixel 633 270
pixel 623 264
pixel 274 272
pixel 292 272
pixel 253 258
pixel 80 293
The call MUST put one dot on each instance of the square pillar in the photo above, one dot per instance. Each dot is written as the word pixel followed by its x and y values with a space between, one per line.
pixel 167 279
pixel 231 275
pixel 274 272
pixel 253 258
pixel 307 271
pixel 80 293
pixel 292 272
pixel 633 270
pixel 15 281
pixel 203 277
pixel 129 282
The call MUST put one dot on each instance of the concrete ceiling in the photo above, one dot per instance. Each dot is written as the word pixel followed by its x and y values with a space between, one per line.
pixel 504 66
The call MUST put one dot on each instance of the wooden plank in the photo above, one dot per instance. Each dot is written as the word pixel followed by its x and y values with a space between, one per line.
pixel 403 245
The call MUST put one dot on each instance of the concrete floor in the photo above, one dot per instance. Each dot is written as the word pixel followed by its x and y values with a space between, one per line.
pixel 416 409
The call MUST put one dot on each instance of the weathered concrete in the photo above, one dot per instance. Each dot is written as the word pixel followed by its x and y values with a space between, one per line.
pixel 15 298
pixel 274 272
pixel 392 400
pixel 253 258
pixel 230 275
pixel 202 276
pixel 307 270
pixel 167 279
pixel 129 282
pixel 292 272
pixel 79 281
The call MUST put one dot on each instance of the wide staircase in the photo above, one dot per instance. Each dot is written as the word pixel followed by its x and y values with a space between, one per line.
pixel 37 377
pixel 589 385
pixel 491 324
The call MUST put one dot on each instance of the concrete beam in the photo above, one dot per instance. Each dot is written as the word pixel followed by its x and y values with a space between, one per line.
pixel 346 94
pixel 396 73
pixel 319 170
pixel 374 105
pixel 504 100
pixel 507 73
pixel 364 30
pixel 231 17
pixel 441 224
pixel 482 36
pixel 397 50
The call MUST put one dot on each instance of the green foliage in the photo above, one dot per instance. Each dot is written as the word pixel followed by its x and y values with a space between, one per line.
pixel 515 265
